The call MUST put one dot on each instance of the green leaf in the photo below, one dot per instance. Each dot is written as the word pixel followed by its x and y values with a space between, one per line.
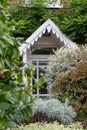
pixel 7 74
pixel 19 78
pixel 15 51
pixel 1 96
pixel 8 96
pixel 2 114
pixel 4 106
pixel 10 124
pixel 6 123
pixel 40 81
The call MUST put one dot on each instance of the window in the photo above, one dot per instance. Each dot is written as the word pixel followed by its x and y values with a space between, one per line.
pixel 42 51
pixel 40 67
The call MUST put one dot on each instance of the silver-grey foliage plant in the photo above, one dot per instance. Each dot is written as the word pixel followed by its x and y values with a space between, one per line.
pixel 63 61
pixel 55 109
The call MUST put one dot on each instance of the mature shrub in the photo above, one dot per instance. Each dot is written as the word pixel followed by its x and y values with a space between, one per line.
pixel 64 60
pixel 74 86
pixel 54 109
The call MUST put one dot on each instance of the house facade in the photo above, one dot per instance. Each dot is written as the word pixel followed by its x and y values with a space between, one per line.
pixel 38 47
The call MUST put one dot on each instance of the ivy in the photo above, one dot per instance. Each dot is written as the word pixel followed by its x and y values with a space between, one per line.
pixel 72 18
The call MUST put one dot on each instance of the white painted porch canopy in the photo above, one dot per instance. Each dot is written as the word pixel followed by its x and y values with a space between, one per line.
pixel 49 26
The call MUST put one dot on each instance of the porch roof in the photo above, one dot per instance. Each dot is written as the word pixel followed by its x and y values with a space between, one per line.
pixel 49 26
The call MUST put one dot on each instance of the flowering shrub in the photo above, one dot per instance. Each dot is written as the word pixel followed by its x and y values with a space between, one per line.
pixel 54 109
pixel 74 86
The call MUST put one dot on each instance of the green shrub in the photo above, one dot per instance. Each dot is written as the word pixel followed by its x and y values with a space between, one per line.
pixel 55 110
pixel 15 96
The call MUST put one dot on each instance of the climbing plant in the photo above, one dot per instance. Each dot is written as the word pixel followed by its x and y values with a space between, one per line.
pixel 74 20
pixel 33 15
pixel 71 18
